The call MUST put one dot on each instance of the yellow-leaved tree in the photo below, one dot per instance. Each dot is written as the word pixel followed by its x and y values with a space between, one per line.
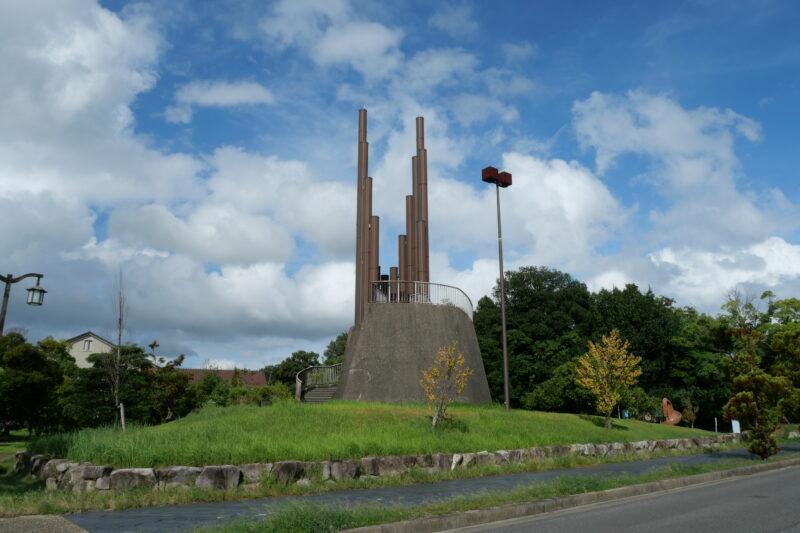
pixel 606 370
pixel 445 380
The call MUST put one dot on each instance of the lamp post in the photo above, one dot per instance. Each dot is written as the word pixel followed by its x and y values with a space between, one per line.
pixel 35 293
pixel 500 179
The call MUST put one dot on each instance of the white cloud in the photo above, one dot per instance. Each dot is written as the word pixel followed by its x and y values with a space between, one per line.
pixel 216 94
pixel 519 51
pixel 368 47
pixel 455 20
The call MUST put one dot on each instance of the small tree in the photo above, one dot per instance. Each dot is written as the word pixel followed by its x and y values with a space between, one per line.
pixel 606 370
pixel 445 380
pixel 689 414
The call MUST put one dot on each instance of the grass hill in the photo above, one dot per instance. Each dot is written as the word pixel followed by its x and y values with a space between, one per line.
pixel 336 430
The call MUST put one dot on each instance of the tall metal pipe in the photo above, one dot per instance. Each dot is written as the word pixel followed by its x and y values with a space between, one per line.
pixel 421 204
pixel 366 274
pixel 374 244
pixel 411 269
pixel 361 223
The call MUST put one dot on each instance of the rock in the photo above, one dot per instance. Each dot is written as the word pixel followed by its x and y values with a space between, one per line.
pixel 535 452
pixel 325 470
pixel 129 478
pixel 177 476
pixel 579 450
pixel 601 450
pixel 442 461
pixel 457 460
pixel 559 451
pixel 51 483
pixel 22 462
pixel 37 462
pixel 50 469
pixel 501 457
pixel 484 458
pixel 73 476
pixel 616 448
pixel 63 467
pixel 346 469
pixel 369 466
pixel 640 446
pixel 304 482
pixel 84 485
pixel 287 471
pixel 793 435
pixel 96 471
pixel 424 461
pixel 627 448
pixel 391 465
pixel 222 477
pixel 103 483
pixel 255 472
pixel 250 486
pixel 468 460
pixel 515 456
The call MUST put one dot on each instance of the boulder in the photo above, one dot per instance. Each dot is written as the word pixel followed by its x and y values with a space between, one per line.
pixel 255 472
pixel 103 483
pixel 325 470
pixel 304 482
pixel 346 469
pixel 63 467
pixel 391 465
pixel 72 476
pixel 287 471
pixel 51 483
pixel 37 462
pixel 457 460
pixel 369 466
pixel 96 471
pixel 442 461
pixel 515 456
pixel 219 477
pixel 484 458
pixel 501 457
pixel 177 476
pixel 129 478
pixel 793 435
pixel 84 485
pixel 22 462
pixel 50 469
pixel 468 459
pixel 559 451
pixel 424 461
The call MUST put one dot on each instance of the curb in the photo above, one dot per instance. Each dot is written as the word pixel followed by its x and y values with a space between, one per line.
pixel 519 510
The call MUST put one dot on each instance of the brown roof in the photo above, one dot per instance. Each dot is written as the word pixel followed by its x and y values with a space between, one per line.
pixel 251 378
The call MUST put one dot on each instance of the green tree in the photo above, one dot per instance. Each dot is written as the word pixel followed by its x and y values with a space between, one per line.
pixel 334 353
pixel 28 381
pixel 286 371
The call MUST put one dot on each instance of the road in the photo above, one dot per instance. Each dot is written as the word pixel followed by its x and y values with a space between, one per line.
pixel 768 502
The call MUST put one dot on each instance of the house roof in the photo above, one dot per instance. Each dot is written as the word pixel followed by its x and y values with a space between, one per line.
pixel 251 378
pixel 88 334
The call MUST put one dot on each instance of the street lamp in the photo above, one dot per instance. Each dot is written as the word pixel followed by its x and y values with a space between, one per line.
pixel 500 179
pixel 35 293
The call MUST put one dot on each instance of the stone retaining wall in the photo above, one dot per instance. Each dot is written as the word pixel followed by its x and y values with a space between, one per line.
pixel 62 474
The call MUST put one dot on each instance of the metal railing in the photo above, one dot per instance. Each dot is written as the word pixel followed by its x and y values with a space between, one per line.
pixel 420 292
pixel 316 376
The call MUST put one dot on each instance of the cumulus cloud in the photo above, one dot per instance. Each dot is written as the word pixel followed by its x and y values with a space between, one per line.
pixel 455 20
pixel 215 94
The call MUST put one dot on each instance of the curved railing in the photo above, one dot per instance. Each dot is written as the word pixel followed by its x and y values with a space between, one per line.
pixel 316 376
pixel 420 292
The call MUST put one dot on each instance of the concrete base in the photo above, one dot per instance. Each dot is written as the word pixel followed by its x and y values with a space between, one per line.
pixel 388 351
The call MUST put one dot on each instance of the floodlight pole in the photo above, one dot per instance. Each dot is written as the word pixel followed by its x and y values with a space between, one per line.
pixel 9 280
pixel 507 401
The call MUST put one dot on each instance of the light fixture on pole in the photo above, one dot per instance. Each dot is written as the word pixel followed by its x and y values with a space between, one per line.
pixel 35 293
pixel 500 179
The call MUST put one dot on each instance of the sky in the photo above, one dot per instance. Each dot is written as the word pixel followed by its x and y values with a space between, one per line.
pixel 206 150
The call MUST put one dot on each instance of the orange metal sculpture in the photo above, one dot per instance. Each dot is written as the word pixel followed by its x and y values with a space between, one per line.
pixel 672 416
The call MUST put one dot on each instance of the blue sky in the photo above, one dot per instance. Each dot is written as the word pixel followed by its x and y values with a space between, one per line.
pixel 207 150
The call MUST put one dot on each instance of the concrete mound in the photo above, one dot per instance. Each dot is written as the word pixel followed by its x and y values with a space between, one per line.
pixel 388 351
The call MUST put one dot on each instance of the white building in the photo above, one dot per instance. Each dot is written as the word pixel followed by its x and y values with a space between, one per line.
pixel 86 344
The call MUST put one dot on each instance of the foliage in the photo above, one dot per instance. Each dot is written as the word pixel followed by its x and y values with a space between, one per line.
pixel 759 404
pixel 445 380
pixel 606 370
pixel 28 381
pixel 334 353
pixel 286 371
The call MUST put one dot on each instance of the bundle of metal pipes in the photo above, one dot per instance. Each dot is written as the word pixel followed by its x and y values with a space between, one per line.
pixel 413 254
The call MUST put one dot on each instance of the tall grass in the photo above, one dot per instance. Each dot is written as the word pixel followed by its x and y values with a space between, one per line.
pixel 336 430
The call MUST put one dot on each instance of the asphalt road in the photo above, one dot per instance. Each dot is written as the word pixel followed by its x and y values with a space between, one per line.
pixel 761 503
pixel 179 518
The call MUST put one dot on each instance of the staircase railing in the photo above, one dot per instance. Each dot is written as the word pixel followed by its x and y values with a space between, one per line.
pixel 316 376
pixel 419 292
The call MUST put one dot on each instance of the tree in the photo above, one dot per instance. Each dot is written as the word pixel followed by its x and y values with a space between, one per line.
pixel 28 381
pixel 445 380
pixel 286 371
pixel 759 404
pixel 606 370
pixel 334 353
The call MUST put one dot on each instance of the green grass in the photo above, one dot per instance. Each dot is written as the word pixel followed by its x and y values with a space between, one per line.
pixel 15 442
pixel 300 518
pixel 336 430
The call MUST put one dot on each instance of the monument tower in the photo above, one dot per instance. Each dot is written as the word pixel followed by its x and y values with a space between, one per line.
pixel 401 318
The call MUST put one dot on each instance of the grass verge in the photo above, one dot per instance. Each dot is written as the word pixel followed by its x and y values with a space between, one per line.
pixel 25 495
pixel 15 442
pixel 299 518
pixel 336 430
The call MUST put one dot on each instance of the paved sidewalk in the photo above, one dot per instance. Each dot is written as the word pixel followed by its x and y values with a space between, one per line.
pixel 181 518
